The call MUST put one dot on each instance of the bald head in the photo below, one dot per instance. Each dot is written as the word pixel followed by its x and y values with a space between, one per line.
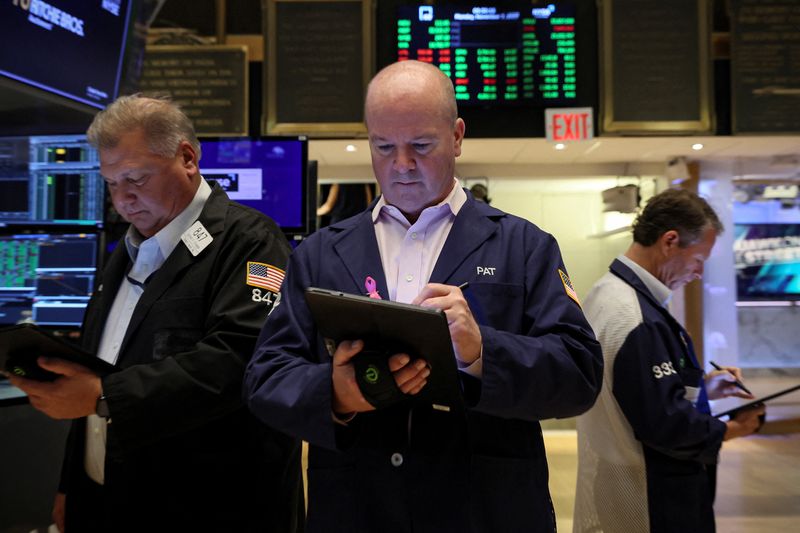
pixel 414 135
pixel 414 83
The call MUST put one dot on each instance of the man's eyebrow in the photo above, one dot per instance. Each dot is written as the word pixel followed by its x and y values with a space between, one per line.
pixel 424 137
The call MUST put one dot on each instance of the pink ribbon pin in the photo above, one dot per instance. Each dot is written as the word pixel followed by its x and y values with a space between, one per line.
pixel 372 288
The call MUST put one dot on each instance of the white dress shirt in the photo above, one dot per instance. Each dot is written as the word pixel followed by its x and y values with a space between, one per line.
pixel 661 292
pixel 409 251
pixel 147 256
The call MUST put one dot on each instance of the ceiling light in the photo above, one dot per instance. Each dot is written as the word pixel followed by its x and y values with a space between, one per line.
pixel 560 146
pixel 697 146
pixel 351 148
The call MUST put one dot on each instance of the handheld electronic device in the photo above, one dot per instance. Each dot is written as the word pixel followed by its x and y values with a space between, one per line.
pixel 388 328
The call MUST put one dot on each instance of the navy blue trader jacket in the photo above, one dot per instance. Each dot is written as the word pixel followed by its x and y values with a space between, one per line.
pixel 681 439
pixel 405 469
pixel 674 442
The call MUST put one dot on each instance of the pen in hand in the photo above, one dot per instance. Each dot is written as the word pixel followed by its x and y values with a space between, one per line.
pixel 464 286
pixel 737 382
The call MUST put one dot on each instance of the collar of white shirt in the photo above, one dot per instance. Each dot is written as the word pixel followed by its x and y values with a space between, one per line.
pixel 454 201
pixel 169 236
pixel 661 292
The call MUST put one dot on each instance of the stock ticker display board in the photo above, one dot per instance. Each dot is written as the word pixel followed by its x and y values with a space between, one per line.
pixel 522 55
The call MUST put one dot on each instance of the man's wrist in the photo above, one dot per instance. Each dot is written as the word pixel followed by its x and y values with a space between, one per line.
pixel 343 419
pixel 101 407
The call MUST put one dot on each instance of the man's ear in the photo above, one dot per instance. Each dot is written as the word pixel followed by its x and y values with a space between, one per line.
pixel 670 239
pixel 458 135
pixel 188 157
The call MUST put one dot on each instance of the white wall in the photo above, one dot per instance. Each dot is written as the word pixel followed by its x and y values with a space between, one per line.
pixel 720 331
pixel 571 209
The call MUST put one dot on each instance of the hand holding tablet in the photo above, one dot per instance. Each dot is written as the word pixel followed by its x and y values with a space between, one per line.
pixel 389 328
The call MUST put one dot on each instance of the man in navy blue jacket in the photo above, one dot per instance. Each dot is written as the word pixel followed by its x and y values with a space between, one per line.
pixel 522 344
pixel 648 449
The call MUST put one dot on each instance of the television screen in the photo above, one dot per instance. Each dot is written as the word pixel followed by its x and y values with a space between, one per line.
pixel 266 173
pixel 767 260
pixel 72 49
pixel 50 180
pixel 510 60
pixel 46 278
pixel 511 53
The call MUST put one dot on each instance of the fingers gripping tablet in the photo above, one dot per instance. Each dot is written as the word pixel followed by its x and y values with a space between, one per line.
pixel 375 379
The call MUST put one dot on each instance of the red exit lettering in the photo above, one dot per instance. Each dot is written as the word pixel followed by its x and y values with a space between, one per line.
pixel 570 126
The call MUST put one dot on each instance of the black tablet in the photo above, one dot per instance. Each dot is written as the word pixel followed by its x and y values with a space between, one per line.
pixel 757 401
pixel 22 344
pixel 388 328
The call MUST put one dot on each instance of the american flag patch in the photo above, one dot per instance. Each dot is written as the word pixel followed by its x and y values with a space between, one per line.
pixel 568 286
pixel 264 276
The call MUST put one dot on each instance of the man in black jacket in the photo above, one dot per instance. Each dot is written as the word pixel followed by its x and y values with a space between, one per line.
pixel 165 443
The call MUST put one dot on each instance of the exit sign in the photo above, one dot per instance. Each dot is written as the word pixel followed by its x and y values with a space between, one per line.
pixel 569 124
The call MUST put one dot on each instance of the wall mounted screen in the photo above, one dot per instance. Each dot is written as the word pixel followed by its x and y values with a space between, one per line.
pixel 496 54
pixel 69 48
pixel 266 173
pixel 767 260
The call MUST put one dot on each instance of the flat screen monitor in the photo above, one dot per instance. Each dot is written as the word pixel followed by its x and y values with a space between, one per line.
pixel 266 173
pixel 46 278
pixel 767 258
pixel 312 184
pixel 69 48
pixel 50 180
pixel 496 52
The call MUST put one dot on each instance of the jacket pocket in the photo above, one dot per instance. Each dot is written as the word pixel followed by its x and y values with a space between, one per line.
pixel 499 305
pixel 332 501
pixel 509 495
pixel 179 326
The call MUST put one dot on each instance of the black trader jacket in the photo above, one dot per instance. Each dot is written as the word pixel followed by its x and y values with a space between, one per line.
pixel 182 451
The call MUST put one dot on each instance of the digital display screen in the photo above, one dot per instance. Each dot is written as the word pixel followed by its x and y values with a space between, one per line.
pixel 524 54
pixel 73 49
pixel 46 278
pixel 265 173
pixel 50 180
pixel 767 258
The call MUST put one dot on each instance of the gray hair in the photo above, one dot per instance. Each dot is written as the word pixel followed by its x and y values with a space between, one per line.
pixel 165 125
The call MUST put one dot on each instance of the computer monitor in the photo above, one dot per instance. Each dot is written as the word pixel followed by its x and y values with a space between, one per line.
pixel 266 173
pixel 73 49
pixel 46 278
pixel 50 180
pixel 767 260
pixel 312 190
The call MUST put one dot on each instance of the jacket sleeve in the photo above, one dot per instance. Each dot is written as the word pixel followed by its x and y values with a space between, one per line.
pixel 551 365
pixel 651 393
pixel 201 381
pixel 287 383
